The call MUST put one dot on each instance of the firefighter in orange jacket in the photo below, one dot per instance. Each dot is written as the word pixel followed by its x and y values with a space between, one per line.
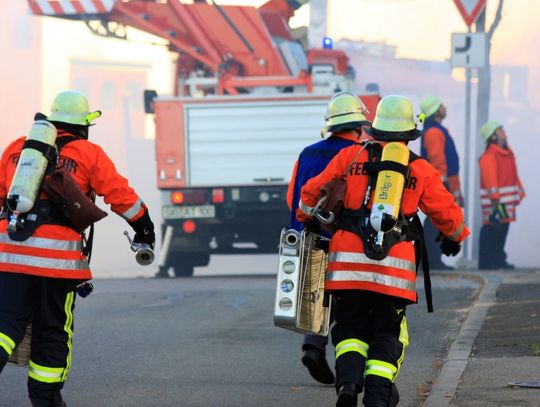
pixel 439 149
pixel 371 284
pixel 344 120
pixel 501 192
pixel 39 273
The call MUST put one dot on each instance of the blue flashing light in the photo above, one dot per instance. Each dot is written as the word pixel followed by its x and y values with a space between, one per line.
pixel 327 43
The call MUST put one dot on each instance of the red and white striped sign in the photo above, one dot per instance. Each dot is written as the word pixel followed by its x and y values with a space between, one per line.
pixel 470 9
pixel 67 7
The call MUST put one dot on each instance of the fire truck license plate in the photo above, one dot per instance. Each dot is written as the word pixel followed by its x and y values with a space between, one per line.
pixel 184 212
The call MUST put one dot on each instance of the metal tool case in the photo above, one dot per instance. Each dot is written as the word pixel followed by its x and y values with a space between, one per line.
pixel 300 299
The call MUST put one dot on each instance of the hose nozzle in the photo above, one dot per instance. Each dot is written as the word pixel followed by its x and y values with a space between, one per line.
pixel 143 251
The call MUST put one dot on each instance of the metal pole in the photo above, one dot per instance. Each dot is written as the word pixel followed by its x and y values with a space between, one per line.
pixel 469 158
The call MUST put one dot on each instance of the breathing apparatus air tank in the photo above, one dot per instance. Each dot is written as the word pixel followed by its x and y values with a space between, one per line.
pixel 33 162
pixel 389 189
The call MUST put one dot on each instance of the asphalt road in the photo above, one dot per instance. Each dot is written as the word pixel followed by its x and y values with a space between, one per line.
pixel 210 341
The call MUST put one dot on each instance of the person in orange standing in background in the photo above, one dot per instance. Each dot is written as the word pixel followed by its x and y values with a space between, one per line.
pixel 42 262
pixel 439 149
pixel 371 289
pixel 501 192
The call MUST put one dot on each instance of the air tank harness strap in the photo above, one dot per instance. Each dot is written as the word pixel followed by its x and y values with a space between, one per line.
pixel 421 255
pixel 377 166
pixel 48 151
pixel 43 212
pixel 357 222
pixel 87 240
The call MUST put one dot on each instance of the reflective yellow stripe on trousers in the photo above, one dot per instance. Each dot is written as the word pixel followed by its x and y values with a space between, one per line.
pixel 387 370
pixel 68 327
pixel 352 345
pixel 7 343
pixel 47 374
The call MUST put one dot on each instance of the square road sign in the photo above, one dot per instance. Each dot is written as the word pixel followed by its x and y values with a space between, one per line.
pixel 468 50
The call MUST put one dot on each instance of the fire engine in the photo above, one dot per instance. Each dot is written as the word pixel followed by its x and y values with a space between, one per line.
pixel 248 97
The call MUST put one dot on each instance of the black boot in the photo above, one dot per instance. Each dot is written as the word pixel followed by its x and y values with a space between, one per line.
pixel 41 403
pixel 315 360
pixel 347 395
pixel 379 392
pixel 394 397
pixel 46 399
pixel 58 401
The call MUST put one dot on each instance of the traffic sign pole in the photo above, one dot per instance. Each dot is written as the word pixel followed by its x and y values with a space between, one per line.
pixel 463 56
pixel 469 158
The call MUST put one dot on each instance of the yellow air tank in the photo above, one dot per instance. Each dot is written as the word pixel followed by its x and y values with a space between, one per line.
pixel 26 183
pixel 389 188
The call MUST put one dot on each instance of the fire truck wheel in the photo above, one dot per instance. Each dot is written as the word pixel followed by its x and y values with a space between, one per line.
pixel 183 263
pixel 183 270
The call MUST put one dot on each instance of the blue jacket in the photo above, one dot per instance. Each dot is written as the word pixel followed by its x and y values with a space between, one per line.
pixel 311 162
pixel 450 152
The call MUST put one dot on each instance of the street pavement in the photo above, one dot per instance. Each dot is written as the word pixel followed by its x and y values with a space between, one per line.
pixel 498 345
pixel 210 341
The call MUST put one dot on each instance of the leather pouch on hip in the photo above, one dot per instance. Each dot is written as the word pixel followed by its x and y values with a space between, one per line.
pixel 334 190
pixel 62 190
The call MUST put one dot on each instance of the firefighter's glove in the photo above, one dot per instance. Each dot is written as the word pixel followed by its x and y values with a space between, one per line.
pixel 448 246
pixel 144 230
pixel 501 212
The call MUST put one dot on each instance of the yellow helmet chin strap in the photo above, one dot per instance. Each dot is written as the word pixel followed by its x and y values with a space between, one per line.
pixel 90 117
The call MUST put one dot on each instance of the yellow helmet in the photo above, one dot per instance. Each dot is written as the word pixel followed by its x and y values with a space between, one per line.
pixel 489 129
pixel 394 119
pixel 345 112
pixel 430 105
pixel 72 107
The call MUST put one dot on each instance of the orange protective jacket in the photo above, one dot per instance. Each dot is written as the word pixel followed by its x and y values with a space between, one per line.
pixel 434 144
pixel 54 250
pixel 499 182
pixel 395 275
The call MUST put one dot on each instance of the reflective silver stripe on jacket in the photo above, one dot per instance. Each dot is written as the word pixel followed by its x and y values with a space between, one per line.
pixel 502 199
pixel 456 234
pixel 509 198
pixel 308 210
pixel 43 262
pixel 508 189
pixel 488 191
pixel 371 277
pixel 131 212
pixel 502 190
pixel 44 243
pixel 353 257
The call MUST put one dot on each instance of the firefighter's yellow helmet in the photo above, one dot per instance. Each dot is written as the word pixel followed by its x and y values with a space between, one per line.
pixel 430 105
pixel 72 107
pixel 345 112
pixel 489 129
pixel 394 119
